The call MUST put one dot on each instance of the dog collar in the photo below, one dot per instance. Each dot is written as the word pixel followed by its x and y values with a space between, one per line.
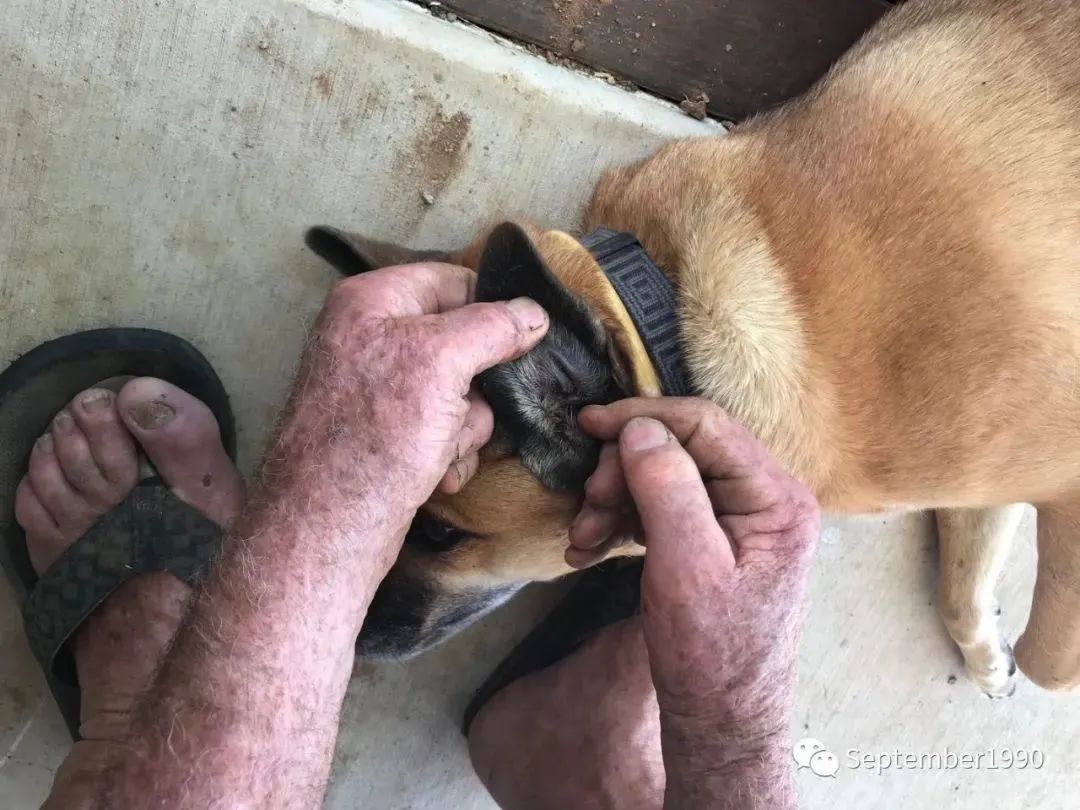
pixel 649 298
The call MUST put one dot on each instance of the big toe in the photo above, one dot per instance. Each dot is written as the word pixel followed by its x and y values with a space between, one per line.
pixel 181 437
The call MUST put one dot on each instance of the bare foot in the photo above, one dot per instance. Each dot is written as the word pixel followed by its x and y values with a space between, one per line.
pixel 583 733
pixel 84 466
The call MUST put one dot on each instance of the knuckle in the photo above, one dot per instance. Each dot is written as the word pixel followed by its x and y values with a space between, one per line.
pixel 41 476
pixel 802 504
pixel 489 316
pixel 703 413
pixel 706 407
pixel 598 487
pixel 711 424
pixel 466 439
pixel 505 325
pixel 344 291
pixel 807 504
pixel 83 480
pixel 492 329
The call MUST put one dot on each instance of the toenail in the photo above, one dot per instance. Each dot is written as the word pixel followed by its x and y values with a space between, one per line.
pixel 63 423
pixel 95 400
pixel 44 443
pixel 152 415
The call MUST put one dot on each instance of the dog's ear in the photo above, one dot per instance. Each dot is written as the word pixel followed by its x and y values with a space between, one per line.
pixel 536 398
pixel 352 254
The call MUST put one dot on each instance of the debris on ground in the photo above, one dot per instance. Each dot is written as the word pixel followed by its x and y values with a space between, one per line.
pixel 696 106
pixel 427 197
pixel 442 12
pixel 438 9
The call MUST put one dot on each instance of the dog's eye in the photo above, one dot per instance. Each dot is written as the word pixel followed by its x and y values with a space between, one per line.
pixel 433 535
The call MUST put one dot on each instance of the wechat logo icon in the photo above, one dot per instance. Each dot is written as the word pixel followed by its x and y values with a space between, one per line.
pixel 812 754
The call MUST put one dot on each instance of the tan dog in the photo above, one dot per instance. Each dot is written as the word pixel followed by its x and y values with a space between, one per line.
pixel 881 279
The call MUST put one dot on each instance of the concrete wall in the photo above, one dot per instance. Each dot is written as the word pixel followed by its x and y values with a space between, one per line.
pixel 161 161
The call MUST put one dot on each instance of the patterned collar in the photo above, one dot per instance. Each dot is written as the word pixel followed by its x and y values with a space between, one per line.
pixel 650 300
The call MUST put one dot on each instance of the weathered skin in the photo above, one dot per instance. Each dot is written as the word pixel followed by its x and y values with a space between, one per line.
pixel 730 540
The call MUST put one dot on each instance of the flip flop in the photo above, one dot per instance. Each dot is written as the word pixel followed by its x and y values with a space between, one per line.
pixel 603 596
pixel 152 530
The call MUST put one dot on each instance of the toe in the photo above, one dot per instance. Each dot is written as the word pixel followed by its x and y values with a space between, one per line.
pixel 110 444
pixel 77 463
pixel 46 540
pixel 68 508
pixel 182 439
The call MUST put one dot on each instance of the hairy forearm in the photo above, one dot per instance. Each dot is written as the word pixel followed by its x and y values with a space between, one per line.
pixel 246 706
pixel 725 742
pixel 731 779
pixel 735 755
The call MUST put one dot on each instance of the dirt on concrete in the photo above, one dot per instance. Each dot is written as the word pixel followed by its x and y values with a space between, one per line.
pixel 437 152
pixel 324 83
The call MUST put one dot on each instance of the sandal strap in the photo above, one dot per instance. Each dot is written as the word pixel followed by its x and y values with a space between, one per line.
pixel 151 530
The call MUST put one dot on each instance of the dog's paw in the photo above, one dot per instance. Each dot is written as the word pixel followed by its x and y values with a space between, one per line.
pixel 992 668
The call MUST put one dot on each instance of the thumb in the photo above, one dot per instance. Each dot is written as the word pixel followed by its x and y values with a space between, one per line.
pixel 681 531
pixel 478 336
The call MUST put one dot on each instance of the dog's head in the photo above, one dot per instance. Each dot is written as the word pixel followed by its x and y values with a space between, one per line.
pixel 467 553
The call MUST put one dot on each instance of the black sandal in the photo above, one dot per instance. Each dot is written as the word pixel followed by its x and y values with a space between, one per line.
pixel 152 530
pixel 603 596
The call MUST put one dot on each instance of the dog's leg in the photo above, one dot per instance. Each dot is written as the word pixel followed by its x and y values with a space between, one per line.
pixel 1048 652
pixel 973 546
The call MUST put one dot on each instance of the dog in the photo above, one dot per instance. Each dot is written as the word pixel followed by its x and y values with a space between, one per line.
pixel 881 279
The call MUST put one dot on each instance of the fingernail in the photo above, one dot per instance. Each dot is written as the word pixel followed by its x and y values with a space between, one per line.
pixel 530 313
pixel 152 415
pixel 63 423
pixel 644 434
pixel 44 443
pixel 95 400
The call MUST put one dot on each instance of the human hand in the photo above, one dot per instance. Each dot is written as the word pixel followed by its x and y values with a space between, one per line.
pixel 730 539
pixel 383 410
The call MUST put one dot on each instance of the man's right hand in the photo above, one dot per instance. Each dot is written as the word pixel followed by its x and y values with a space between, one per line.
pixel 730 540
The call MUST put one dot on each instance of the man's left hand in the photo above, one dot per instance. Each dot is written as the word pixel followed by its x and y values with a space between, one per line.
pixel 384 410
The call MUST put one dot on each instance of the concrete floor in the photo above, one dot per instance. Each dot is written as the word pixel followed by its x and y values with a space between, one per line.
pixel 159 163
